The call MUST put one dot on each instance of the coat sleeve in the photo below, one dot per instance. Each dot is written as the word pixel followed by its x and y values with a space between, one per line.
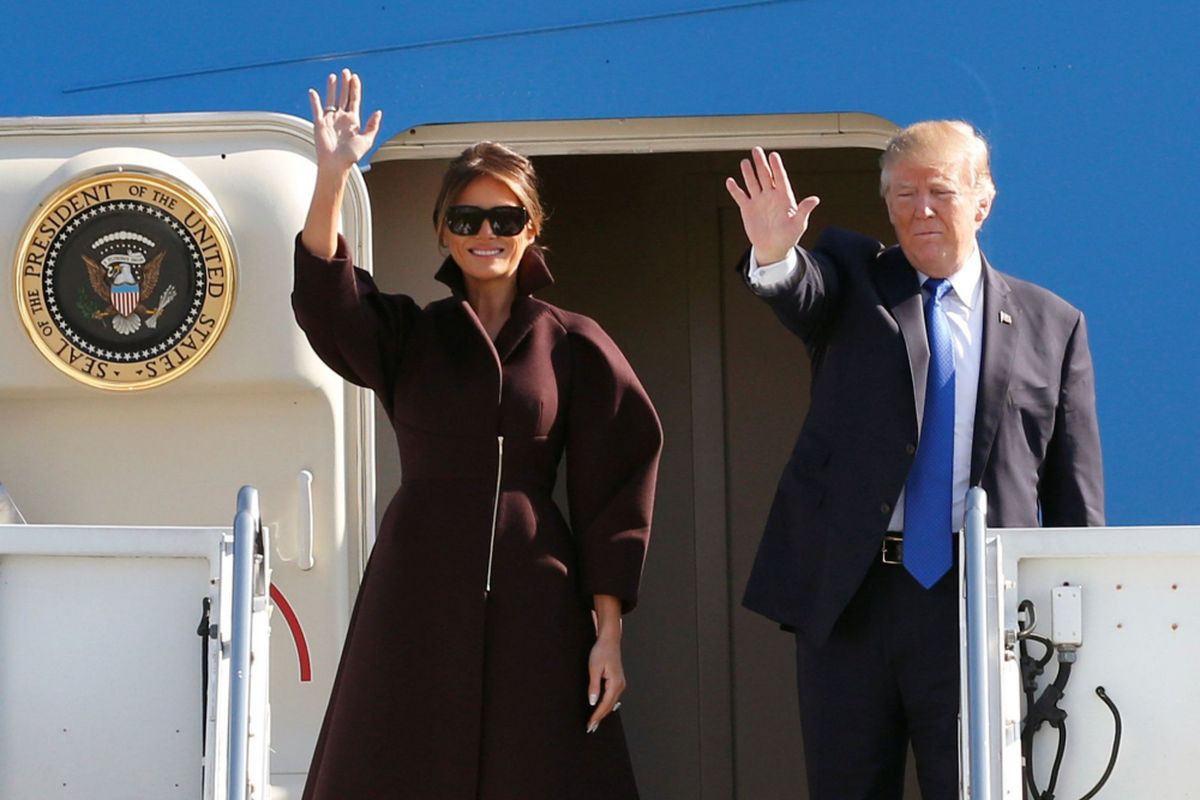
pixel 801 301
pixel 808 300
pixel 613 445
pixel 1071 489
pixel 354 328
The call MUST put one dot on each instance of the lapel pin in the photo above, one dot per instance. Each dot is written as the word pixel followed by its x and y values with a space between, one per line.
pixel 1005 319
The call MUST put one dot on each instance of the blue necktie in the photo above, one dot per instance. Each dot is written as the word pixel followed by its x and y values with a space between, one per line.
pixel 928 494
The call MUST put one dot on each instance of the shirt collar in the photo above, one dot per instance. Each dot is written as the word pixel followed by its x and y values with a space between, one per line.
pixel 966 281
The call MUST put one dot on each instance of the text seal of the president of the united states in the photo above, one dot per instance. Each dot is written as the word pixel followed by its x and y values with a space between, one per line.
pixel 125 279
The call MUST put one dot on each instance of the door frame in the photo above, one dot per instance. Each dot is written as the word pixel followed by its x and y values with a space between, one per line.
pixel 824 131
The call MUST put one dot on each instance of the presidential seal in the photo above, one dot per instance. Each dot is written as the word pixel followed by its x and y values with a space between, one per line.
pixel 125 279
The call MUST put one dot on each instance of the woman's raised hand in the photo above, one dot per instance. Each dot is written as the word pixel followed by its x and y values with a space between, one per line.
pixel 773 220
pixel 340 138
pixel 341 143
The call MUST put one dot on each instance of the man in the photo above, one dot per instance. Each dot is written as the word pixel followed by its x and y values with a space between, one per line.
pixel 932 372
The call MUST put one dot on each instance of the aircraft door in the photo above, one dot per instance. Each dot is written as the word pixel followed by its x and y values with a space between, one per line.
pixel 152 364
pixel 642 237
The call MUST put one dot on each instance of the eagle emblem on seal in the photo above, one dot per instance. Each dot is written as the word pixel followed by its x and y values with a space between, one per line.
pixel 123 271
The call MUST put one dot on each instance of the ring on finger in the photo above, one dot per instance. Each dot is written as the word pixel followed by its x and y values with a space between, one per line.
pixel 330 108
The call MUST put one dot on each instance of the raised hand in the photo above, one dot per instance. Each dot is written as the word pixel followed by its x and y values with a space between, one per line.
pixel 341 140
pixel 341 143
pixel 773 220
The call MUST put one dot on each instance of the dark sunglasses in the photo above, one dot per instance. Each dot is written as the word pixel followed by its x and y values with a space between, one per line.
pixel 467 220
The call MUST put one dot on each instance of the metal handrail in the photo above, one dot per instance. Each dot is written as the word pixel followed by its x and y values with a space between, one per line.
pixel 247 527
pixel 979 734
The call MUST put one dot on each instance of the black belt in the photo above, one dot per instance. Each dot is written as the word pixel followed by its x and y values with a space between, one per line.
pixel 892 550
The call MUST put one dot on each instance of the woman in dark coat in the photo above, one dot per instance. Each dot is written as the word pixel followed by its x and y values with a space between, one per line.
pixel 483 659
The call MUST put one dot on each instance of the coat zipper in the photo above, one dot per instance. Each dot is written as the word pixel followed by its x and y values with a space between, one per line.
pixel 495 511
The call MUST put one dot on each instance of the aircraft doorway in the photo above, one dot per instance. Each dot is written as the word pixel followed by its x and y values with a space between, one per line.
pixel 645 243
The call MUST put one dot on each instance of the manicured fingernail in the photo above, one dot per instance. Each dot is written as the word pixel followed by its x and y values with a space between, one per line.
pixel 592 698
pixel 592 728
pixel 617 706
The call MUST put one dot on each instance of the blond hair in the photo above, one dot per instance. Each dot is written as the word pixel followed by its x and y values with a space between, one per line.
pixel 940 141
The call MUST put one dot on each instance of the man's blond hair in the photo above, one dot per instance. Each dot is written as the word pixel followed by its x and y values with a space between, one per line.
pixel 940 141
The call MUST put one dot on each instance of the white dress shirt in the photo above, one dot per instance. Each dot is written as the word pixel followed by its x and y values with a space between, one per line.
pixel 964 312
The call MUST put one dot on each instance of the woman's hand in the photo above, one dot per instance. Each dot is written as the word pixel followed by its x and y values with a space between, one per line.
pixel 773 220
pixel 341 141
pixel 606 674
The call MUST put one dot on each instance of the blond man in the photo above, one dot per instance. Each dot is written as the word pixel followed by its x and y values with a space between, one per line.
pixel 932 372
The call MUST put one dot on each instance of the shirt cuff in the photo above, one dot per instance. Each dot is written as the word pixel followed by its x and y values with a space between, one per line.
pixel 768 276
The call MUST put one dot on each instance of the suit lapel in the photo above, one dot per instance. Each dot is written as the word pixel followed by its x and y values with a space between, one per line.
pixel 900 291
pixel 1001 329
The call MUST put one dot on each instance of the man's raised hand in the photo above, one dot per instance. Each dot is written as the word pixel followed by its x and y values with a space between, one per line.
pixel 773 220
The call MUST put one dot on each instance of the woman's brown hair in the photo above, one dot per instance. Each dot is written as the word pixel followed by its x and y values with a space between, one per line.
pixel 496 161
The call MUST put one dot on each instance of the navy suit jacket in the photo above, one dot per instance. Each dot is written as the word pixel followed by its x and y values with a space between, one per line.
pixel 858 308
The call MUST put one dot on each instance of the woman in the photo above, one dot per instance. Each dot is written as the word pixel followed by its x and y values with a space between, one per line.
pixel 484 651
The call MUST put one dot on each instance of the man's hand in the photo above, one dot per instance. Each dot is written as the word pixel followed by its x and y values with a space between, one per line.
pixel 773 220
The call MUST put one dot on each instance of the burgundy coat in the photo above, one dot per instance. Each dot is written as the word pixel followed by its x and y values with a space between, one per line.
pixel 464 673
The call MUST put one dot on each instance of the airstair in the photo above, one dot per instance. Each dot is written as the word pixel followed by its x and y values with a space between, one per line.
pixel 134 661
pixel 1091 632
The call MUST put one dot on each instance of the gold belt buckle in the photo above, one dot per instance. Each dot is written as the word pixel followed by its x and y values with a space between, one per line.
pixel 892 550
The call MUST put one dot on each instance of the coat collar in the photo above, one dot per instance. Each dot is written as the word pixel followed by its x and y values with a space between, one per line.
pixel 532 274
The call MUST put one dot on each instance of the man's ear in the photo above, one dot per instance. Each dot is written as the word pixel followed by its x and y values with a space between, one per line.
pixel 983 208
